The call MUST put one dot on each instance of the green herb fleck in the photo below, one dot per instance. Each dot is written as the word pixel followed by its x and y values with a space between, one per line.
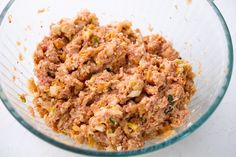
pixel 113 121
pixel 95 39
pixel 22 98
pixel 178 61
pixel 170 99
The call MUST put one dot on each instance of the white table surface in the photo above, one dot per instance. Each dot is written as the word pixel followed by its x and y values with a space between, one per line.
pixel 215 138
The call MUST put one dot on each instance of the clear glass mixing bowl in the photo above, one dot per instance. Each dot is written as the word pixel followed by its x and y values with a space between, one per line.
pixel 197 30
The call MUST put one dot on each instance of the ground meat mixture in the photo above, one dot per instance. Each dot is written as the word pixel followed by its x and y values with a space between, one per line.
pixel 109 86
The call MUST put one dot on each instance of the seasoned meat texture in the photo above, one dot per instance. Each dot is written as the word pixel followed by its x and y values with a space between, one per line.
pixel 109 86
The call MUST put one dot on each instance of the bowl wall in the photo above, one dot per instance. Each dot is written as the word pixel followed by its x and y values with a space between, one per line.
pixel 196 30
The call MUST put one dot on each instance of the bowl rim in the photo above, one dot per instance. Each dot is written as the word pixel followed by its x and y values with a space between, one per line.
pixel 148 149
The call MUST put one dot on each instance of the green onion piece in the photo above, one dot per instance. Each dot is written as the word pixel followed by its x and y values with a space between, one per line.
pixel 113 121
pixel 95 39
pixel 170 99
pixel 178 61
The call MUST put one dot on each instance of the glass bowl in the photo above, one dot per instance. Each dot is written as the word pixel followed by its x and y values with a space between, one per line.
pixel 196 29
